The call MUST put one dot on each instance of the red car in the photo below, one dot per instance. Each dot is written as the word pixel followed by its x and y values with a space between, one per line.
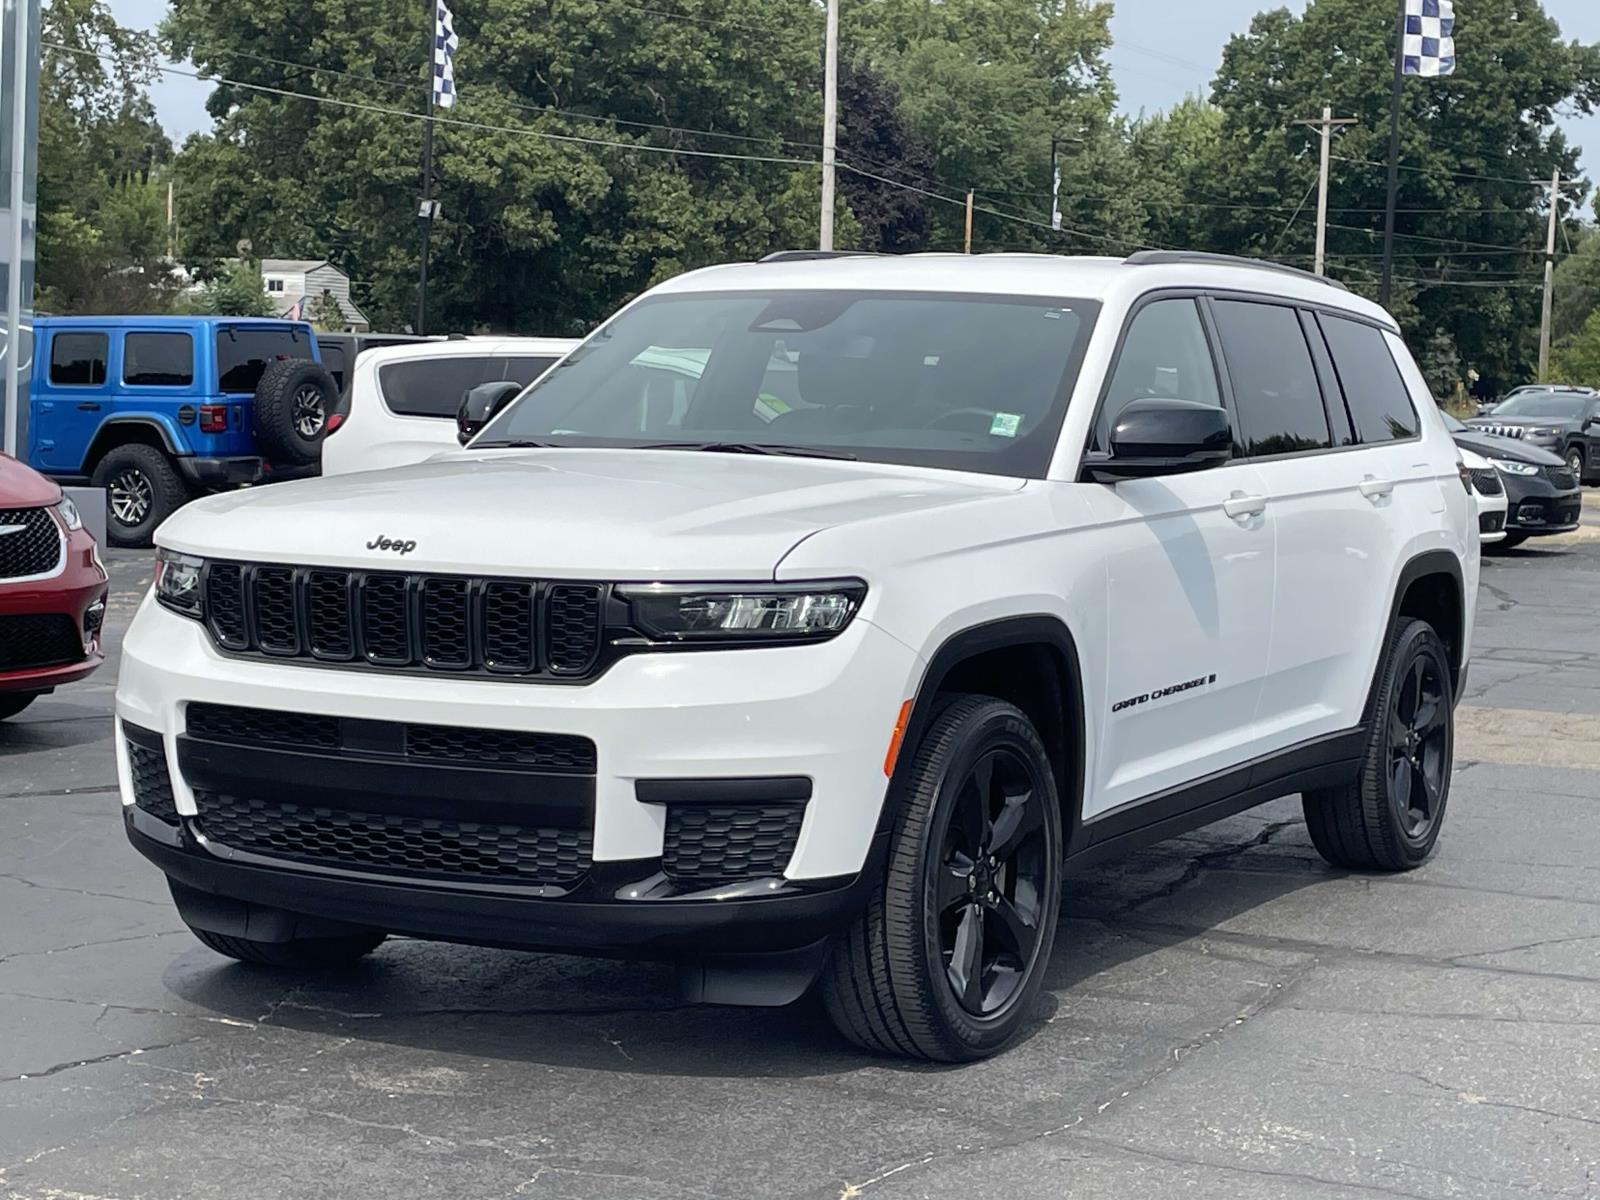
pixel 52 589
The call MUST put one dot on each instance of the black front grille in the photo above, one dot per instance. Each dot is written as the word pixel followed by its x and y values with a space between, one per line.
pixel 30 543
pixel 410 622
pixel 39 640
pixel 545 752
pixel 1560 478
pixel 708 844
pixel 436 848
pixel 1486 481
pixel 147 767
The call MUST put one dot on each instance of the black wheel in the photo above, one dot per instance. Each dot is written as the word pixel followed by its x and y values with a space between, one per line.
pixel 13 703
pixel 142 489
pixel 1510 542
pixel 306 954
pixel 948 956
pixel 292 403
pixel 1390 818
pixel 1575 462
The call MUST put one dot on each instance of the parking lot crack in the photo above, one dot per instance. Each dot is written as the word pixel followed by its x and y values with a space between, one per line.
pixel 51 887
pixel 1204 862
pixel 74 1064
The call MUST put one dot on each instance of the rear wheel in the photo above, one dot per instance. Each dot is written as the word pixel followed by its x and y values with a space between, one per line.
pixel 949 955
pixel 142 490
pixel 300 954
pixel 1389 819
pixel 11 705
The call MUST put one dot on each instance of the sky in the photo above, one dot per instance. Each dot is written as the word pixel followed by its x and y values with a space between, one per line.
pixel 1163 50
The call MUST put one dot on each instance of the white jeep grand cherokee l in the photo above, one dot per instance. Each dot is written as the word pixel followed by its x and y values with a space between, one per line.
pixel 811 622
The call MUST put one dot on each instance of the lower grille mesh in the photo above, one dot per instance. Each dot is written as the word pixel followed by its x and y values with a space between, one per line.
pixel 439 849
pixel 39 640
pixel 152 785
pixel 711 844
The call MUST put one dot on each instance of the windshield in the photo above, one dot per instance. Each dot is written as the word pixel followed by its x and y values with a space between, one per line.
pixel 967 382
pixel 1542 404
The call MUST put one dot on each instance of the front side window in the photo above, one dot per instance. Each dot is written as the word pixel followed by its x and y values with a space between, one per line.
pixel 243 354
pixel 433 387
pixel 1165 354
pixel 962 382
pixel 1374 391
pixel 158 360
pixel 1277 399
pixel 78 359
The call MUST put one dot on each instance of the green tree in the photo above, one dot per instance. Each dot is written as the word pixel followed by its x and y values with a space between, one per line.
pixel 1470 144
pixel 101 155
pixel 540 231
pixel 1577 284
pixel 1576 359
pixel 324 313
pixel 236 291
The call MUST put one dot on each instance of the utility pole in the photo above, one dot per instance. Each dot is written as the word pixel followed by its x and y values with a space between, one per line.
pixel 1386 288
pixel 1055 184
pixel 1549 276
pixel 429 206
pixel 830 121
pixel 1326 125
pixel 171 241
pixel 969 223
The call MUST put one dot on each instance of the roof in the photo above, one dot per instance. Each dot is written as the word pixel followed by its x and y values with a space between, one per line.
pixel 292 266
pixel 1047 276
pixel 156 322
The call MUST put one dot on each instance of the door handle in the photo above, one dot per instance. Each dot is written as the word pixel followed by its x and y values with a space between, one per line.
pixel 1240 505
pixel 1375 489
pixel 88 406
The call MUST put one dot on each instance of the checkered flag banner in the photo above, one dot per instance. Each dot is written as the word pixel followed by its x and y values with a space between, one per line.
pixel 444 56
pixel 1430 44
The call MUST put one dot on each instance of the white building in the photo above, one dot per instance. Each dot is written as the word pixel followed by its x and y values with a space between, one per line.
pixel 292 281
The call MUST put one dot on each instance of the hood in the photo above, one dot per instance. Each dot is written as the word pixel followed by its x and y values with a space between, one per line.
pixel 23 487
pixel 1492 445
pixel 596 514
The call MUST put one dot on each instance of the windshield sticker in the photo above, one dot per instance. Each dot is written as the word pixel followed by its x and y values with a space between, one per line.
pixel 1005 424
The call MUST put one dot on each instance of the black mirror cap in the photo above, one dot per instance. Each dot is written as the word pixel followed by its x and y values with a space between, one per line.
pixel 1166 436
pixel 482 404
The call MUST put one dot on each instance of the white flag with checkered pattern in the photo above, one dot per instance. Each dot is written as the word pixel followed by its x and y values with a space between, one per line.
pixel 444 56
pixel 1430 41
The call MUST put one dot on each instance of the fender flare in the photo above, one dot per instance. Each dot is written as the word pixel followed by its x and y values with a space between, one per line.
pixel 100 442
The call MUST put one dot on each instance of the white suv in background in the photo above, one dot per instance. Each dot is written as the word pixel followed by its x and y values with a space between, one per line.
pixel 811 623
pixel 403 400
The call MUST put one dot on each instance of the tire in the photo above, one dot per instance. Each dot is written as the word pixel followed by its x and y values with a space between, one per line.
pixel 305 954
pixel 887 985
pixel 1510 542
pixel 1371 825
pixel 142 488
pixel 292 403
pixel 1576 464
pixel 12 704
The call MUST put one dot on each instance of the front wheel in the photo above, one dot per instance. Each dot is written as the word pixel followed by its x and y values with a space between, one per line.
pixel 301 954
pixel 1575 462
pixel 950 953
pixel 15 702
pixel 1389 819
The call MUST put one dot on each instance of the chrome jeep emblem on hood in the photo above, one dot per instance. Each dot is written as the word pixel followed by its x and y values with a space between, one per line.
pixel 399 547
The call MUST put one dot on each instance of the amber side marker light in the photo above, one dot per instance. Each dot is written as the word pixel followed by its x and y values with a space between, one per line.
pixel 896 738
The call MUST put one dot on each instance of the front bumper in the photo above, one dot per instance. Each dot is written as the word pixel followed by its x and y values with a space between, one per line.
pixel 824 713
pixel 80 588
pixel 1535 507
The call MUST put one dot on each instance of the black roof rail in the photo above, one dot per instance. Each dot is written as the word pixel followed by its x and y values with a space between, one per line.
pixel 1159 258
pixel 810 255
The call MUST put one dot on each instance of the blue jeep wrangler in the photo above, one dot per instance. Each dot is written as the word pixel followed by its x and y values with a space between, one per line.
pixel 159 409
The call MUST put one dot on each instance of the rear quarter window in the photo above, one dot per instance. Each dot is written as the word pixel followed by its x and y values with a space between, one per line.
pixel 1374 390
pixel 158 360
pixel 433 387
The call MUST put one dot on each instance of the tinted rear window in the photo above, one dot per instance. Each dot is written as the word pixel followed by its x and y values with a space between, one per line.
pixel 158 360
pixel 78 359
pixel 243 354
pixel 431 387
pixel 1374 391
pixel 1274 381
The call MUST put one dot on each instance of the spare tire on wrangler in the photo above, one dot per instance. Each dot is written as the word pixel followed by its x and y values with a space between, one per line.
pixel 292 404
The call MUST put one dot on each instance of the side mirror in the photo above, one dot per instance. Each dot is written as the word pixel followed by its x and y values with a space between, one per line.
pixel 1162 436
pixel 483 404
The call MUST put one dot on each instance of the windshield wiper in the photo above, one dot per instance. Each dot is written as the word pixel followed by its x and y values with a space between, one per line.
pixel 752 448
pixel 514 444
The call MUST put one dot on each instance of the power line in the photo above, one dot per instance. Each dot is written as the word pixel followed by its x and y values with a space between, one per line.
pixel 1367 162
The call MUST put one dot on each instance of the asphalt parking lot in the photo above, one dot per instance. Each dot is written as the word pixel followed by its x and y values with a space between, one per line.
pixel 1226 1015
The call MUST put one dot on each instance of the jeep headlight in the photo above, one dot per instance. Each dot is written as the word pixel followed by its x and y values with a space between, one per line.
pixel 1514 468
pixel 750 613
pixel 178 582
